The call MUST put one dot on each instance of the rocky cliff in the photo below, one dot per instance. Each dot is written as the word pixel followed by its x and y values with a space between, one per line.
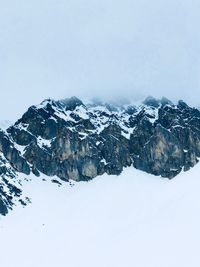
pixel 78 141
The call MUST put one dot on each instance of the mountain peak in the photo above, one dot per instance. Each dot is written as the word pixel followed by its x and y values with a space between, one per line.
pixel 77 141
pixel 151 101
pixel 71 103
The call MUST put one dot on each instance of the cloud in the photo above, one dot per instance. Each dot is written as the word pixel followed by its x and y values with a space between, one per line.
pixel 88 48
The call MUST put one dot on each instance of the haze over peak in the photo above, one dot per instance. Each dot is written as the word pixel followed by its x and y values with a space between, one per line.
pixel 98 48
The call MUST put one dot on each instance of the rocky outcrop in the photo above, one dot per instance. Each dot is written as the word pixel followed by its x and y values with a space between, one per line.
pixel 10 188
pixel 11 153
pixel 78 141
pixel 161 155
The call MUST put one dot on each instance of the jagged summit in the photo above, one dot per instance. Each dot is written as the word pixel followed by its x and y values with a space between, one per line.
pixel 153 102
pixel 79 141
pixel 71 103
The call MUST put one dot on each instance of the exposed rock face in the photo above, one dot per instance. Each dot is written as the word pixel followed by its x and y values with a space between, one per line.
pixel 10 152
pixel 163 153
pixel 10 191
pixel 77 141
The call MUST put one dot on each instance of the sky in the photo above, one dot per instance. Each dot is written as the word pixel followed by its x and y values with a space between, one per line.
pixel 92 48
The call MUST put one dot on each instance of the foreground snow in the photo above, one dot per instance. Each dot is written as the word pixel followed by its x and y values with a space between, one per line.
pixel 131 220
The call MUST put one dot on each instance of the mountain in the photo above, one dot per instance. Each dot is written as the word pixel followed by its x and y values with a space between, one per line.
pixel 78 141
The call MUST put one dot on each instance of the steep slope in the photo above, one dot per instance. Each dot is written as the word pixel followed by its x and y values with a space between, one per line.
pixel 76 141
pixel 10 187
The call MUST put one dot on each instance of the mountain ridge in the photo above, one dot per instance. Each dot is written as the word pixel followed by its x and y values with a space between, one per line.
pixel 79 141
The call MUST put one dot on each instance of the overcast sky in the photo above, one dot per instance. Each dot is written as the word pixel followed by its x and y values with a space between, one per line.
pixel 60 48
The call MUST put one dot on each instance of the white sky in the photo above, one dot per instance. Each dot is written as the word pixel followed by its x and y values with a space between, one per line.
pixel 59 48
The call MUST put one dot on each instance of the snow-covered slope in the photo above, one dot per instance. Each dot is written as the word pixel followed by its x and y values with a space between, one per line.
pixel 134 219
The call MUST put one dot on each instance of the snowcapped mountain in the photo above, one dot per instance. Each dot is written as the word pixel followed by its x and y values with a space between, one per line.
pixel 78 141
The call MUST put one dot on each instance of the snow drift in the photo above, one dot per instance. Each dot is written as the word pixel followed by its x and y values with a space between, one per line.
pixel 134 219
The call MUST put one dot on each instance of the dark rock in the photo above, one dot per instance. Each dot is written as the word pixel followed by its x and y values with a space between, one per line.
pixel 131 110
pixel 59 140
pixel 182 105
pixel 3 208
pixel 151 101
pixel 162 155
pixel 72 103
pixel 12 154
pixel 9 191
pixel 164 101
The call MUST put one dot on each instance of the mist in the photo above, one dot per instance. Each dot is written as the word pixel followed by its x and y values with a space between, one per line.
pixel 97 48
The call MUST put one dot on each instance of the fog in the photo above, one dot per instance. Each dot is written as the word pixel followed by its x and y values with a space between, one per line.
pixel 129 48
